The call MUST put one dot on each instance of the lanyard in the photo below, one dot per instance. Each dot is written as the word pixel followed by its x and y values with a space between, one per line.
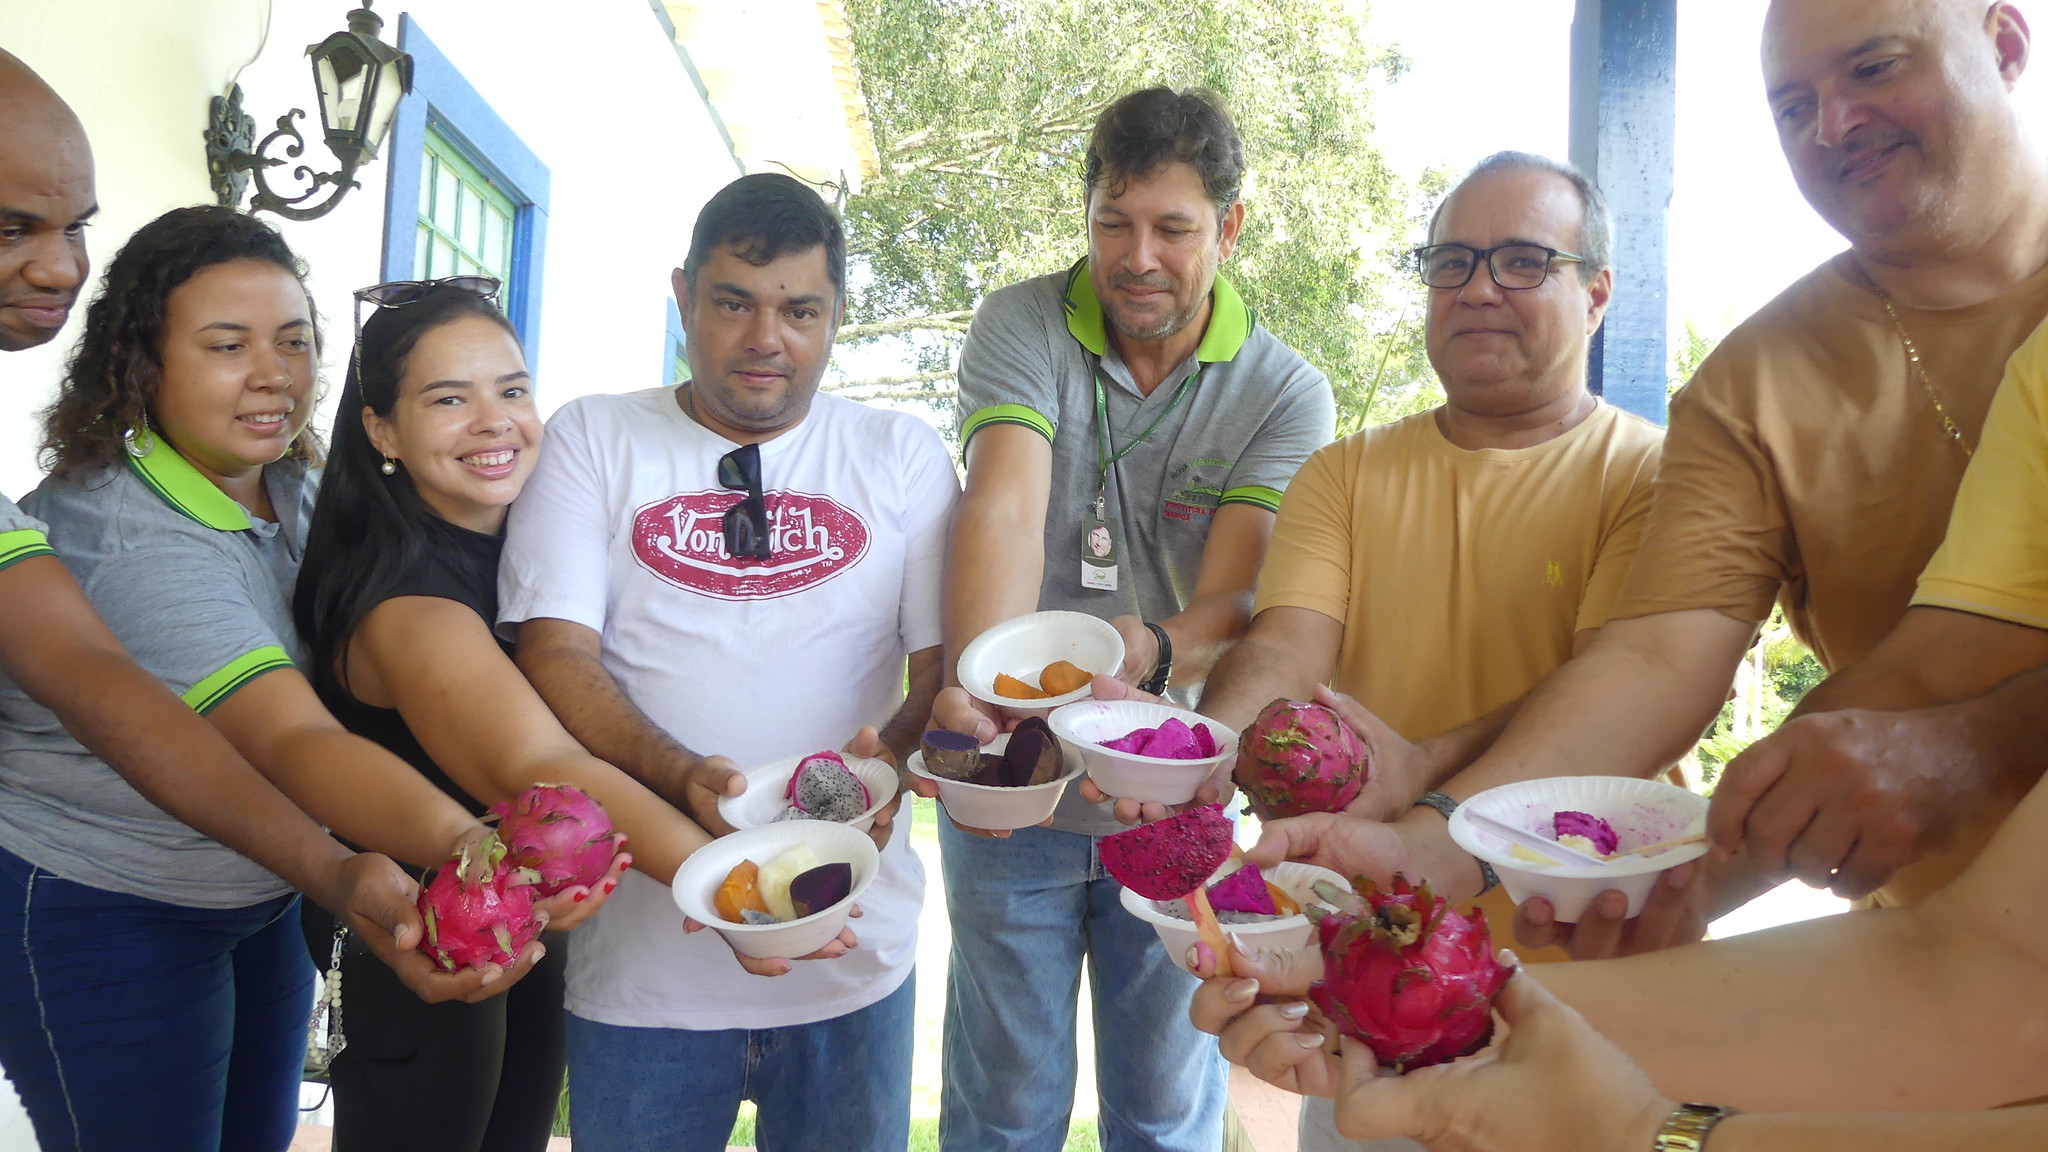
pixel 1106 450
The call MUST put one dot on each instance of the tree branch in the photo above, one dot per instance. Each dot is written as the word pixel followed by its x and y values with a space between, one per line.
pixel 933 322
pixel 893 387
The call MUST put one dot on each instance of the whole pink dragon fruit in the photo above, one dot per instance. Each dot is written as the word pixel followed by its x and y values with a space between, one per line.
pixel 558 832
pixel 476 910
pixel 1406 973
pixel 1297 758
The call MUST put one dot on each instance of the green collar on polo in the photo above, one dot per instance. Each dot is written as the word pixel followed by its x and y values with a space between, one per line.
pixel 173 478
pixel 1231 320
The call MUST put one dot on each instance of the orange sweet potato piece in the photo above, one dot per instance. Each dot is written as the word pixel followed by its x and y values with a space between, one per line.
pixel 1061 677
pixel 1282 902
pixel 740 892
pixel 1011 688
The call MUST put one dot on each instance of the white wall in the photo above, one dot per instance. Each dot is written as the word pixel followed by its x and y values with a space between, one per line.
pixel 595 90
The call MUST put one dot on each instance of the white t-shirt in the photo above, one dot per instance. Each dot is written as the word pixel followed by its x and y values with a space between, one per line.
pixel 619 530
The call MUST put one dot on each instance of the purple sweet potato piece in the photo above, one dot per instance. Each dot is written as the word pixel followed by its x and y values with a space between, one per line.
pixel 1032 756
pixel 1173 741
pixel 820 888
pixel 951 755
pixel 1243 891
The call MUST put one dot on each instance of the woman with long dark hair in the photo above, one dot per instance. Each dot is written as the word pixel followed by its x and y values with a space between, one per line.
pixel 436 435
pixel 153 988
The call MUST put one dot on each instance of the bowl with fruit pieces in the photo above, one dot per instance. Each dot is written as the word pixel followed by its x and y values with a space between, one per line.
pixel 1090 727
pixel 1014 781
pixel 1007 664
pixel 824 785
pixel 1616 817
pixel 783 889
pixel 1289 886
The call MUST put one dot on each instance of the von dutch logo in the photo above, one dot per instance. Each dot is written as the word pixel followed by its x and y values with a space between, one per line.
pixel 811 539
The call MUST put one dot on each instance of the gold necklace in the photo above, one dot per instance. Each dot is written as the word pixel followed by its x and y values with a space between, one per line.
pixel 1920 370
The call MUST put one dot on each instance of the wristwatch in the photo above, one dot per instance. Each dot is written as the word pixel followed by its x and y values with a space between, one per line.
pixel 1446 805
pixel 1156 683
pixel 1685 1130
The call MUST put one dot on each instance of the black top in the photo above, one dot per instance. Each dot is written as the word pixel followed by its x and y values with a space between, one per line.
pixel 455 564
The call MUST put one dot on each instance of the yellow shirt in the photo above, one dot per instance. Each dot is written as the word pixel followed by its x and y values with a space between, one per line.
pixel 1459 576
pixel 1994 560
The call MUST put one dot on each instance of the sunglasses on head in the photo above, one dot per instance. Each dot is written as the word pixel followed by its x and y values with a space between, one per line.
pixel 399 293
pixel 746 522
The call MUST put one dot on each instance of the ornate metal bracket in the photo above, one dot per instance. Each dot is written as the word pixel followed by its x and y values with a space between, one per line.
pixel 230 162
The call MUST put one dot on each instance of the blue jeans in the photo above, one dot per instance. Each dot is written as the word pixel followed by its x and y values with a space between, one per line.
pixel 128 1023
pixel 1026 912
pixel 842 1083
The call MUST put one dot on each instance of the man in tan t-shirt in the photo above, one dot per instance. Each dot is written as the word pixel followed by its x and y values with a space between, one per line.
pixel 1814 457
pixel 1438 567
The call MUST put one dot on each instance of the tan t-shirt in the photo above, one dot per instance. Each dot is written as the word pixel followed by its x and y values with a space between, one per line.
pixel 1459 576
pixel 1805 462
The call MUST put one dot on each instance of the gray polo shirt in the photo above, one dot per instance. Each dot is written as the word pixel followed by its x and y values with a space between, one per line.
pixel 1251 411
pixel 199 594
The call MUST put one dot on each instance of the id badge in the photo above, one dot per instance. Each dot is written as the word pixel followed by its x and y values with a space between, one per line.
pixel 1099 554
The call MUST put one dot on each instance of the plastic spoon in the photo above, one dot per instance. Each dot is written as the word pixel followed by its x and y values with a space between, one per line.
pixel 1530 840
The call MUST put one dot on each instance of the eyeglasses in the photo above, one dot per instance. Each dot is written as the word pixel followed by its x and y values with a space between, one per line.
pixel 1516 267
pixel 746 522
pixel 399 293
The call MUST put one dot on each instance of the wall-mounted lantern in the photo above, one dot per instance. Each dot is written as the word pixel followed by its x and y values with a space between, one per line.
pixel 360 80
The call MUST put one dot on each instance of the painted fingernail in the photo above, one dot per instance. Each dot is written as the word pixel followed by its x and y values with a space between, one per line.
pixel 1200 958
pixel 580 897
pixel 1309 1039
pixel 1241 992
pixel 1294 1011
pixel 540 953
pixel 609 885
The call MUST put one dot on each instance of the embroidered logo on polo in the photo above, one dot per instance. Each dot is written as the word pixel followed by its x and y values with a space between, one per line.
pixel 811 539
pixel 1195 489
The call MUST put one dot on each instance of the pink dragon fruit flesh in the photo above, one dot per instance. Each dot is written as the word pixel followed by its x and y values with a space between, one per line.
pixel 1243 891
pixel 824 788
pixel 559 832
pixel 1173 740
pixel 1297 758
pixel 476 909
pixel 1406 973
pixel 1588 826
pixel 1168 859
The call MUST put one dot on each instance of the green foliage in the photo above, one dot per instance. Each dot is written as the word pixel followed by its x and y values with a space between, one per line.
pixel 1788 672
pixel 981 109
pixel 1686 355
pixel 924 1133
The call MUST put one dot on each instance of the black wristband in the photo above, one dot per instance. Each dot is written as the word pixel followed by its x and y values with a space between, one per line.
pixel 1156 683
pixel 1445 805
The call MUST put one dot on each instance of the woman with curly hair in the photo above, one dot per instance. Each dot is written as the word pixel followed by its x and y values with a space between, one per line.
pixel 153 987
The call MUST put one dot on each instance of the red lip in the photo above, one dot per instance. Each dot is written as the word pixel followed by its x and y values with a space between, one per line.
pixel 1868 162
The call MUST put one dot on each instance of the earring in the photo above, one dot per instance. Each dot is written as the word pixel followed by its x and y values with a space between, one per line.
pixel 389 467
pixel 137 444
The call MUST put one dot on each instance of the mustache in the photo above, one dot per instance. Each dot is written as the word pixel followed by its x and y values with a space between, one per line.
pixel 1157 280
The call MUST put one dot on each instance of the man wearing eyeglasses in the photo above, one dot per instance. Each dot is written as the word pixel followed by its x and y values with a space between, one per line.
pixel 723 575
pixel 1436 568
pixel 1128 428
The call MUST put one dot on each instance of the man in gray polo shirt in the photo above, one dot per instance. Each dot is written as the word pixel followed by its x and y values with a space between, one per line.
pixel 1128 428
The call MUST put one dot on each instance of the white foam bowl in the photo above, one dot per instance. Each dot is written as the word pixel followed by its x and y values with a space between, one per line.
pixel 696 883
pixel 764 798
pixel 1024 645
pixel 1274 937
pixel 1000 809
pixel 1640 811
pixel 1085 725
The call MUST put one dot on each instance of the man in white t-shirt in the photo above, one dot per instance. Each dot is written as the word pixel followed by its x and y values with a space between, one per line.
pixel 724 574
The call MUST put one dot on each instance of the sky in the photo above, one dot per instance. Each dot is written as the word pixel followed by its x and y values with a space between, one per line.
pixel 1739 230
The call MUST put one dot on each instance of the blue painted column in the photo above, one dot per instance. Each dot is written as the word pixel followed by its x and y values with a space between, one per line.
pixel 1623 123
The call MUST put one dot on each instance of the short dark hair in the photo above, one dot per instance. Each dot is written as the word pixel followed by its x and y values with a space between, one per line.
pixel 109 387
pixel 1596 232
pixel 767 216
pixel 1153 127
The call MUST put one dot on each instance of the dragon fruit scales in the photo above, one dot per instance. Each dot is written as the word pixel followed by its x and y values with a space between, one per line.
pixel 476 910
pixel 1297 758
pixel 558 832
pixel 1406 973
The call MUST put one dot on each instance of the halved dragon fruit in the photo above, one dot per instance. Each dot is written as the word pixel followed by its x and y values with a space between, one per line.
pixel 824 788
pixel 558 832
pixel 1406 973
pixel 476 910
pixel 1168 859
pixel 1244 890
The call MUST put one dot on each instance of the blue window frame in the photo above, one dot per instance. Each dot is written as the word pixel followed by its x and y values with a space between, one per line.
pixel 445 112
